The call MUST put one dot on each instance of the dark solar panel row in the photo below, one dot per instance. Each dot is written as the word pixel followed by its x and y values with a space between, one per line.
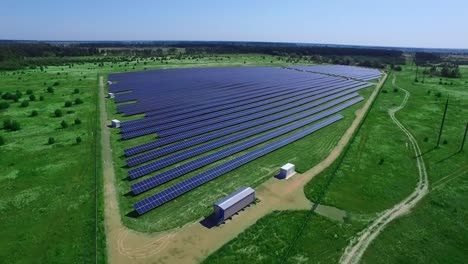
pixel 170 193
pixel 168 140
pixel 227 140
pixel 182 169
pixel 193 117
pixel 208 125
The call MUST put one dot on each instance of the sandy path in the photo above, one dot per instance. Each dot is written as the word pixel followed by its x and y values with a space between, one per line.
pixel 356 248
pixel 193 242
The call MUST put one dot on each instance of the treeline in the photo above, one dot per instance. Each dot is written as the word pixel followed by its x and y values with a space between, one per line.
pixel 447 70
pixel 19 55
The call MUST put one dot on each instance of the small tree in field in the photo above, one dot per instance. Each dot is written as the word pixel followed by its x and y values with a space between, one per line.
pixel 41 98
pixel 78 101
pixel 68 104
pixel 51 141
pixel 34 113
pixel 24 104
pixel 32 97
pixel 58 113
pixel 78 140
pixel 2 140
pixel 64 124
pixel 77 121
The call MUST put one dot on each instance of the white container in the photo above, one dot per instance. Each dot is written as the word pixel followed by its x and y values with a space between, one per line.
pixel 110 95
pixel 115 123
pixel 287 171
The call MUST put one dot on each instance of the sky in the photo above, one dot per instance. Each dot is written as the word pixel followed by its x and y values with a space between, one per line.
pixel 408 23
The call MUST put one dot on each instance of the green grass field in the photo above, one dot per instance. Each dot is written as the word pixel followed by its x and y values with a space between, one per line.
pixel 48 202
pixel 364 185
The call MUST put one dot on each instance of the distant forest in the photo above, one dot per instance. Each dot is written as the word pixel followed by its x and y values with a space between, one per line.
pixel 16 55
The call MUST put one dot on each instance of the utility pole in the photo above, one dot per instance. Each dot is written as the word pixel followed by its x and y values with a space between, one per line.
pixel 464 138
pixel 417 68
pixel 442 124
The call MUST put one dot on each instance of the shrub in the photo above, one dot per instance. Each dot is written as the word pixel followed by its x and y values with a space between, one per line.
pixel 51 141
pixel 2 140
pixel 50 90
pixel 78 140
pixel 381 161
pixel 68 104
pixel 78 101
pixel 34 113
pixel 41 98
pixel 7 124
pixel 19 94
pixel 15 126
pixel 426 139
pixel 77 121
pixel 445 142
pixel 395 90
pixel 58 113
pixel 4 105
pixel 7 96
pixel 384 91
pixel 24 104
pixel 76 91
pixel 64 124
pixel 29 91
pixel 439 94
pixel 32 97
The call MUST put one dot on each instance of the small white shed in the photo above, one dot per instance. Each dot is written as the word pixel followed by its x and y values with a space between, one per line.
pixel 109 82
pixel 115 123
pixel 287 171
pixel 110 95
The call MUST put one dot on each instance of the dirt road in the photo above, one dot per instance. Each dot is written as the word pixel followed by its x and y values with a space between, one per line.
pixel 353 253
pixel 193 242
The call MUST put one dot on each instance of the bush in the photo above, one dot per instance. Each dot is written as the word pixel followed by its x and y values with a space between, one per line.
pixel 19 94
pixel 77 121
pixel 2 140
pixel 439 94
pixel 4 105
pixel 41 98
pixel 381 161
pixel 50 90
pixel 29 91
pixel 34 113
pixel 24 104
pixel 395 90
pixel 76 91
pixel 56 83
pixel 64 124
pixel 7 124
pixel 384 91
pixel 445 142
pixel 15 126
pixel 78 101
pixel 426 139
pixel 78 140
pixel 7 96
pixel 51 141
pixel 32 97
pixel 58 113
pixel 397 68
pixel 68 104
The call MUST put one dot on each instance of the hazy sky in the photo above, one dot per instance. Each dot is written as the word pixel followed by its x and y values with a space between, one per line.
pixel 410 23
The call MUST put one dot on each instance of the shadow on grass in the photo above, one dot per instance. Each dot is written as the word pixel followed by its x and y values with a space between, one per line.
pixel 449 157
pixel 133 214
pixel 427 152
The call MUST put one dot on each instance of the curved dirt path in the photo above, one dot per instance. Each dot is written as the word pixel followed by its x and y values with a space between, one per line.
pixel 193 242
pixel 356 248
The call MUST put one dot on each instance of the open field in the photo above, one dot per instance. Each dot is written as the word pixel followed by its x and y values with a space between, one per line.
pixel 48 199
pixel 363 185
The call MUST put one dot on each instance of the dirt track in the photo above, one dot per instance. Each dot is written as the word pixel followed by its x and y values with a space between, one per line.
pixel 194 242
pixel 353 253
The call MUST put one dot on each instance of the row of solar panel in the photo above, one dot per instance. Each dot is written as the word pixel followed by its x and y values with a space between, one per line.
pixel 185 168
pixel 168 140
pixel 154 108
pixel 213 108
pixel 207 124
pixel 137 160
pixel 180 188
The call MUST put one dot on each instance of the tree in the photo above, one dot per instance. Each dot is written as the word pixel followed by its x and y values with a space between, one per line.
pixel 2 140
pixel 15 126
pixel 34 113
pixel 64 124
pixel 24 104
pixel 4 105
pixel 32 97
pixel 29 91
pixel 56 83
pixel 58 113
pixel 76 91
pixel 77 121
pixel 78 140
pixel 78 101
pixel 68 104
pixel 50 90
pixel 41 98
pixel 51 140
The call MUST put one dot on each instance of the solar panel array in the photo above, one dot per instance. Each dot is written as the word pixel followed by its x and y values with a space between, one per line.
pixel 353 72
pixel 199 116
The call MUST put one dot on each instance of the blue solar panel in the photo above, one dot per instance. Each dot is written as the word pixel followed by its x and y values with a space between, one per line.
pixel 170 193
pixel 224 141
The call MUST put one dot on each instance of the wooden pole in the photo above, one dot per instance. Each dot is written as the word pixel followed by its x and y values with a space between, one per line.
pixel 442 124
pixel 464 138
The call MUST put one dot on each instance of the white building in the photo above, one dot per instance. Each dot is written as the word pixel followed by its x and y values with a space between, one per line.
pixel 287 171
pixel 115 123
